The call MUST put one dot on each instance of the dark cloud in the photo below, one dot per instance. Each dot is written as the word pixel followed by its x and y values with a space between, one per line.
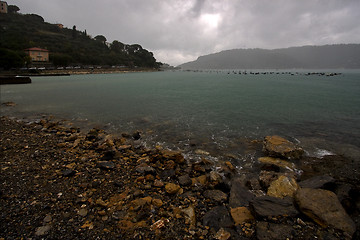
pixel 180 31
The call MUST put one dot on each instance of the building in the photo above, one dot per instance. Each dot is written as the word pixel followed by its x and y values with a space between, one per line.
pixel 38 54
pixel 61 26
pixel 3 7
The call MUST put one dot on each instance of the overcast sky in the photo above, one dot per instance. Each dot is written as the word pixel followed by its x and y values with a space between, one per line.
pixel 178 31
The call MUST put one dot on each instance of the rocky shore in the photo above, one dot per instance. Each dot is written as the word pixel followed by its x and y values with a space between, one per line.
pixel 59 183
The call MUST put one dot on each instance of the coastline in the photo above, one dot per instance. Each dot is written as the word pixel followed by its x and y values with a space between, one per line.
pixel 61 183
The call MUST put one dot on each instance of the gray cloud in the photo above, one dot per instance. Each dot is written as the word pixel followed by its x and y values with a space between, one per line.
pixel 180 31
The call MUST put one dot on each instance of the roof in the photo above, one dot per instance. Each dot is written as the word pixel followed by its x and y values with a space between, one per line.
pixel 36 49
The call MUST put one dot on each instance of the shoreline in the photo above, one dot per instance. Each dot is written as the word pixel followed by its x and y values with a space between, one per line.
pixel 67 72
pixel 87 185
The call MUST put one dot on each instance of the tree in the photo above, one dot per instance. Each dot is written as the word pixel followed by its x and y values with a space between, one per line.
pixel 100 38
pixel 74 32
pixel 117 46
pixel 13 9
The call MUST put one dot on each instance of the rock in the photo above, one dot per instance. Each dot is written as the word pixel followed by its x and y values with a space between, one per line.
pixel 201 152
pixel 216 195
pixel 157 202
pixel 185 180
pixel 283 187
pixel 317 182
pixel 241 215
pixel 324 208
pixel 202 180
pixel 276 146
pixel 215 178
pixel 222 234
pixel 230 166
pixel 47 219
pixel 267 206
pixel 43 230
pixel 173 155
pixel 266 177
pixel 106 165
pixel 271 231
pixel 278 162
pixel 68 173
pixel 239 195
pixel 190 217
pixel 83 212
pixel 158 183
pixel 217 218
pixel 172 188
pixel 144 168
pixel 9 104
pixel 136 135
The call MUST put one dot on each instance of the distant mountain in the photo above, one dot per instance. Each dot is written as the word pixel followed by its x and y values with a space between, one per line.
pixel 311 57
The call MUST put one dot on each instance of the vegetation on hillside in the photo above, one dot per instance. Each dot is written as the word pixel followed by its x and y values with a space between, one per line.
pixel 66 46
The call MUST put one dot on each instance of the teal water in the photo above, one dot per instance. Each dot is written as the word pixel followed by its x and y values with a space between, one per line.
pixel 213 111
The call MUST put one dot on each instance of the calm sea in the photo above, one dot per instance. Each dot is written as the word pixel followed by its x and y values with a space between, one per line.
pixel 216 111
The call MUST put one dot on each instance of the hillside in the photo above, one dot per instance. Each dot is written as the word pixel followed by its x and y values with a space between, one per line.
pixel 66 46
pixel 310 57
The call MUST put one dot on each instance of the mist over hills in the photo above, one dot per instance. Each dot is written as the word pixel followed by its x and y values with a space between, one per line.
pixel 309 57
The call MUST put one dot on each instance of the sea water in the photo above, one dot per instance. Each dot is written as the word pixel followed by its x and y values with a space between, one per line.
pixel 218 112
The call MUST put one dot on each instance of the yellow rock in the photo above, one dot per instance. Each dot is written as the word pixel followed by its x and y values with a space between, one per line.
pixel 241 215
pixel 278 162
pixel 283 187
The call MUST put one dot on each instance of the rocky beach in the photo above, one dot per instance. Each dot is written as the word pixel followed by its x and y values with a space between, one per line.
pixel 58 182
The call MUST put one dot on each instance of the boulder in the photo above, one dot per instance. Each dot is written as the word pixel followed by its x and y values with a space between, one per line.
pixel 317 182
pixel 283 187
pixel 267 206
pixel 276 146
pixel 241 215
pixel 324 208
pixel 278 162
pixel 239 195
pixel 216 195
pixel 217 218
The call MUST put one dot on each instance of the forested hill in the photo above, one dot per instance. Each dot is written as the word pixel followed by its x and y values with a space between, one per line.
pixel 310 57
pixel 66 46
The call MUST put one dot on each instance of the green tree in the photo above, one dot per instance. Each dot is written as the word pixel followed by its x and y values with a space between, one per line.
pixel 10 59
pixel 100 38
pixel 13 9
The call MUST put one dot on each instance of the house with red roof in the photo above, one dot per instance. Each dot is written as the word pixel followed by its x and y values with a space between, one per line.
pixel 38 54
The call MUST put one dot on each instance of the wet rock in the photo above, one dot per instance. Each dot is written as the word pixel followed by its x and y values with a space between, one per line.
pixel 278 163
pixel 106 165
pixel 267 206
pixel 283 187
pixel 239 195
pixel 216 195
pixel 109 155
pixel 217 218
pixel 271 231
pixel 9 104
pixel 277 146
pixel 167 174
pixel 43 230
pixel 172 188
pixel 266 177
pixel 324 208
pixel 173 155
pixel 136 135
pixel 201 180
pixel 144 168
pixel 185 180
pixel 317 182
pixel 215 178
pixel 241 215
